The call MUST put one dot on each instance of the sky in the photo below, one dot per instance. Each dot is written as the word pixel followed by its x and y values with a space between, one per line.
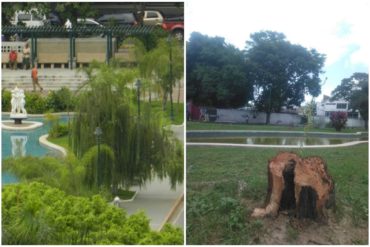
pixel 338 29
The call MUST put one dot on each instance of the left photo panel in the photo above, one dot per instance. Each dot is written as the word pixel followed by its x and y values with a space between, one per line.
pixel 92 123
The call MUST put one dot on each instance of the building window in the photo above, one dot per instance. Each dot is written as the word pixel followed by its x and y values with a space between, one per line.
pixel 353 115
pixel 342 106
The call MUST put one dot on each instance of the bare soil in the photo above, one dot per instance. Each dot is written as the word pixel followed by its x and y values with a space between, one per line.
pixel 286 229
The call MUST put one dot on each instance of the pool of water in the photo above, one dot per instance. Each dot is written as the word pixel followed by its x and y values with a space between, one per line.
pixel 24 143
pixel 268 140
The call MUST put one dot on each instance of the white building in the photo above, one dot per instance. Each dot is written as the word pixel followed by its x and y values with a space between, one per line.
pixel 326 107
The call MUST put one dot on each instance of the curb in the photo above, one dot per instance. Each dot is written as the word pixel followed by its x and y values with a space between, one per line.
pixel 128 200
pixel 34 125
pixel 44 142
pixel 172 211
pixel 42 115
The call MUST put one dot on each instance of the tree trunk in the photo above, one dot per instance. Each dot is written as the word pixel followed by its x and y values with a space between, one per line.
pixel 300 184
pixel 268 115
pixel 179 92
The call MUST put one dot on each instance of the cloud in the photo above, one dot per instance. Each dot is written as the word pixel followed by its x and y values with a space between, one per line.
pixel 328 26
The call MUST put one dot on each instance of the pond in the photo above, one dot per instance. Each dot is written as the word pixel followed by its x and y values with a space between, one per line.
pixel 24 143
pixel 263 140
pixel 273 137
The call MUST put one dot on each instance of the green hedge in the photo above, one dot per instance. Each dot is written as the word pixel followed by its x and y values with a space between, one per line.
pixel 36 103
pixel 38 214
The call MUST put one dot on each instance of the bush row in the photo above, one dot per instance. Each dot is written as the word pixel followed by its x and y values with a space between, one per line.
pixel 56 101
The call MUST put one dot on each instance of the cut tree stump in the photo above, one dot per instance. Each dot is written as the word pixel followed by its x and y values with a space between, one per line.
pixel 302 184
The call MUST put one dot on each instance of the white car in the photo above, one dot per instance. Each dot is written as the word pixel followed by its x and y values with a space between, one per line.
pixel 29 18
pixel 89 22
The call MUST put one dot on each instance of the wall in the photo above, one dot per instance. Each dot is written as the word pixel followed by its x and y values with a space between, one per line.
pixel 240 116
pixel 6 48
pixel 56 50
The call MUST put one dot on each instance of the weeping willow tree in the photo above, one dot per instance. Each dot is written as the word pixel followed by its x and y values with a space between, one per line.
pixel 163 65
pixel 137 147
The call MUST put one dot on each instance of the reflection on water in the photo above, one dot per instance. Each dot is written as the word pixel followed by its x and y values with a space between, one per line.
pixel 296 141
pixel 22 143
pixel 18 145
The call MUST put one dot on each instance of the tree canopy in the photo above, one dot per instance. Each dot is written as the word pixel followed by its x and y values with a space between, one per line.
pixel 216 73
pixel 281 72
pixel 355 90
pixel 141 144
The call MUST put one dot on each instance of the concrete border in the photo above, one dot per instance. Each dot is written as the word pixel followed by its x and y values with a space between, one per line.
pixel 128 200
pixel 42 115
pixel 272 133
pixel 172 211
pixel 347 144
pixel 34 125
pixel 44 142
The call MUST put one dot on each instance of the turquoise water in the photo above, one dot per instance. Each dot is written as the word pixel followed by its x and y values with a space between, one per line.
pixel 24 143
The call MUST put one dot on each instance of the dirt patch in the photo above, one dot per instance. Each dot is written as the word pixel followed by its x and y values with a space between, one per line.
pixel 285 229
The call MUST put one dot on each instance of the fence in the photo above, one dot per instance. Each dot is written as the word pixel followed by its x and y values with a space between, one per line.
pixel 253 117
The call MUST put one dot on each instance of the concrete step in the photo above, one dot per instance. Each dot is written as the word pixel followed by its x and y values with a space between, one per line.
pixel 47 85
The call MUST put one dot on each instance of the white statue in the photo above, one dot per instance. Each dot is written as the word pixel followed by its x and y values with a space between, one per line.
pixel 18 101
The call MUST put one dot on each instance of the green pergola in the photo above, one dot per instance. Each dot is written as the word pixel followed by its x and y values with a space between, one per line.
pixel 48 31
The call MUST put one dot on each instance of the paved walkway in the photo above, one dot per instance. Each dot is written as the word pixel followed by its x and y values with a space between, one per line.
pixel 54 79
pixel 157 199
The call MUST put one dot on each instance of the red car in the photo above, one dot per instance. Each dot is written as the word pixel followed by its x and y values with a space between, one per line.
pixel 175 26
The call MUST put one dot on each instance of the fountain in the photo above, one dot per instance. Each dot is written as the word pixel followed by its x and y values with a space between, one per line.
pixel 18 113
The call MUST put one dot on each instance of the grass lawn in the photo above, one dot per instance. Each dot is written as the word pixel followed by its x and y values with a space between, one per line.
pixel 61 141
pixel 220 126
pixel 224 185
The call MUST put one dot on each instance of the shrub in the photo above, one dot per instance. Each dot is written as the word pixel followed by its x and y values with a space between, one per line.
pixel 35 103
pixel 338 120
pixel 58 130
pixel 5 100
pixel 38 214
pixel 60 100
pixel 51 171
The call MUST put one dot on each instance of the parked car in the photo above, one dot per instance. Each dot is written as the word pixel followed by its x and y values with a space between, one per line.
pixel 88 22
pixel 208 114
pixel 118 19
pixel 151 17
pixel 54 20
pixel 29 18
pixel 176 26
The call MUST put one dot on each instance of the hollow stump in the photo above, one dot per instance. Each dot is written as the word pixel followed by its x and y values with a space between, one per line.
pixel 302 184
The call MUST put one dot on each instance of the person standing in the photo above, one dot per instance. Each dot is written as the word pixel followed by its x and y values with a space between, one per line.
pixel 13 59
pixel 35 79
pixel 26 56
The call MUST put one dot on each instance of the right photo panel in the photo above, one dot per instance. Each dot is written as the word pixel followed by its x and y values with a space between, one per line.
pixel 277 122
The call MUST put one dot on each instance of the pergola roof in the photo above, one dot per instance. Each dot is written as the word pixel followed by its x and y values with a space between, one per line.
pixel 115 30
